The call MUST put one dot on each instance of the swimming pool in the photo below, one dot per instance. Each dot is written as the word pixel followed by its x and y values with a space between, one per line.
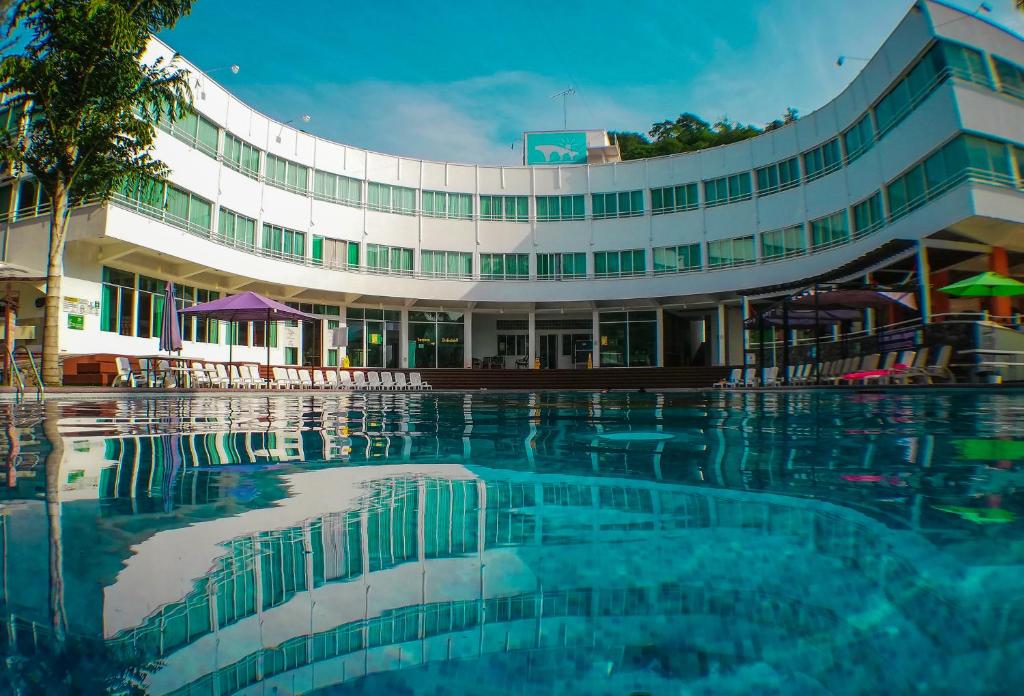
pixel 486 543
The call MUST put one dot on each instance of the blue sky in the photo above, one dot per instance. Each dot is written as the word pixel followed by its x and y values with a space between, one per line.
pixel 461 80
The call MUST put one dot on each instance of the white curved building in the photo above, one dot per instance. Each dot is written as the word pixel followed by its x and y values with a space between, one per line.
pixel 637 263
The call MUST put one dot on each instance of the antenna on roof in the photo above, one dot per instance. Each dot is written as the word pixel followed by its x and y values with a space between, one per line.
pixel 564 94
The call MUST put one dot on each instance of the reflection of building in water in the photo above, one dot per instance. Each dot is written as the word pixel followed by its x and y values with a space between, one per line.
pixel 373 569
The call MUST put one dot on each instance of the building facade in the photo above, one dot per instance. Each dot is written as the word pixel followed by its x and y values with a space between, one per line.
pixel 411 263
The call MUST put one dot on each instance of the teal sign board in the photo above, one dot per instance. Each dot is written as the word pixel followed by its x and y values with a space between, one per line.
pixel 556 148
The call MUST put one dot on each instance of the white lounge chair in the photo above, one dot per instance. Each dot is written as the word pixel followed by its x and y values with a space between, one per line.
pixel 318 379
pixel 731 381
pixel 359 380
pixel 417 382
pixel 918 368
pixel 770 376
pixel 125 376
pixel 332 379
pixel 252 374
pixel 749 377
pixel 221 379
pixel 281 380
pixel 200 377
pixel 401 383
pixel 345 380
pixel 373 380
pixel 165 377
pixel 387 381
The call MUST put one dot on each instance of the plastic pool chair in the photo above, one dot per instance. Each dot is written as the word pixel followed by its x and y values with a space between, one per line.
pixel 359 380
pixel 332 379
pixel 417 382
pixel 200 377
pixel 345 378
pixel 236 378
pixel 221 375
pixel 731 381
pixel 940 368
pixel 318 379
pixel 373 380
pixel 400 382
pixel 749 377
pixel 770 377
pixel 280 380
pixel 387 381
pixel 916 368
pixel 125 376
pixel 255 379
pixel 294 381
pixel 305 380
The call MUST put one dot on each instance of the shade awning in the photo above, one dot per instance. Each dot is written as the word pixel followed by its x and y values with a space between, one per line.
pixel 855 299
pixel 246 306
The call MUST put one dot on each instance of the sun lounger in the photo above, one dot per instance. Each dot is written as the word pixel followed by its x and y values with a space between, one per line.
pixel 417 382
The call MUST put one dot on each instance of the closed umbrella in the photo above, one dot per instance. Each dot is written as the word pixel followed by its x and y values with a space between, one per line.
pixel 170 333
pixel 988 284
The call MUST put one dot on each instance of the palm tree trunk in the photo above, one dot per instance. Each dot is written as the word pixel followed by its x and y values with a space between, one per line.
pixel 53 375
pixel 54 464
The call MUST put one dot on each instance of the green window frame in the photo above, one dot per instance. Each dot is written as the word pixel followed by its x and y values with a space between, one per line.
pixel 628 262
pixel 445 204
pixel 168 203
pixel 506 208
pixel 117 302
pixel 235 229
pixel 193 129
pixel 336 188
pixel 281 242
pixel 560 208
pixel 285 174
pixel 778 176
pixel 868 215
pixel 822 160
pixel 683 258
pixel 561 265
pixel 389 259
pixel 390 199
pixel 617 205
pixel 727 189
pixel 735 251
pixel 671 199
pixel 505 266
pixel 334 253
pixel 241 156
pixel 1009 75
pixel 446 264
pixel 783 243
pixel 859 138
pixel 830 231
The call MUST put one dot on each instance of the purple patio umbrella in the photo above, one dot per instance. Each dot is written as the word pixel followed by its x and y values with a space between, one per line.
pixel 247 306
pixel 170 332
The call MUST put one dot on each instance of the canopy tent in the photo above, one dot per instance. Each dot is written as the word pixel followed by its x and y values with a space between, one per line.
pixel 988 284
pixel 247 306
pixel 854 299
pixel 802 318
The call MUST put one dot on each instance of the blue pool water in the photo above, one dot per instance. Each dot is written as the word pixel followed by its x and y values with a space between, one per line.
pixel 486 543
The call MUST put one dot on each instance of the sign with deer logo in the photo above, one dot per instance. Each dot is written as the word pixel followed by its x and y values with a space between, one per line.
pixel 561 147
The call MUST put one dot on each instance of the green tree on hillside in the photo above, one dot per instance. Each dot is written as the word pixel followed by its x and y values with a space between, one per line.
pixel 89 107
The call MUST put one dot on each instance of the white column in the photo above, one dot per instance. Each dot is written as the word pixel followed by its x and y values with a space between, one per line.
pixel 722 328
pixel 403 339
pixel 531 348
pixel 467 339
pixel 597 338
pixel 660 336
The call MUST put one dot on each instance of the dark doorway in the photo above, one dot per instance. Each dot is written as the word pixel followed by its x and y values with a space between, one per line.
pixel 312 343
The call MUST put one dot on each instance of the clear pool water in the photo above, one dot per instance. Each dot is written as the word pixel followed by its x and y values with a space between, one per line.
pixel 492 543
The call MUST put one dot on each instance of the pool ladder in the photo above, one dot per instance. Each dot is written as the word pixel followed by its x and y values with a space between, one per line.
pixel 17 380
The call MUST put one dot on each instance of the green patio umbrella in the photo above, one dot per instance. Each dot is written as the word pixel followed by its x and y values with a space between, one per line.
pixel 986 284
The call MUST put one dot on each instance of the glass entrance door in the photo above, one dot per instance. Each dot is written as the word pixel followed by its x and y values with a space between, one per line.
pixel 548 351
pixel 312 343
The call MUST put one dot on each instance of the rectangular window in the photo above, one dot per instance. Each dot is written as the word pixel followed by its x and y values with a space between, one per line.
pixel 738 251
pixel 778 177
pixel 671 199
pixel 507 208
pixel 512 344
pixel 621 204
pixel 966 64
pixel 446 264
pixel 505 266
pixel 236 230
pixel 822 160
pixel 559 266
pixel 6 198
pixel 388 259
pixel 829 231
pixel 282 242
pixel 677 259
pixel 859 138
pixel 784 243
pixel 195 130
pixel 286 174
pixel 1011 78
pixel 628 339
pixel 117 302
pixel 442 204
pixel 727 189
pixel 29 192
pixel 337 188
pixel 335 253
pixel 620 263
pixel 169 204
pixel 551 208
pixel 868 216
pixel 391 199
pixel 241 156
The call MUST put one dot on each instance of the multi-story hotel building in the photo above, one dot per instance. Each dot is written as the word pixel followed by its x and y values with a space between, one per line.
pixel 638 263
